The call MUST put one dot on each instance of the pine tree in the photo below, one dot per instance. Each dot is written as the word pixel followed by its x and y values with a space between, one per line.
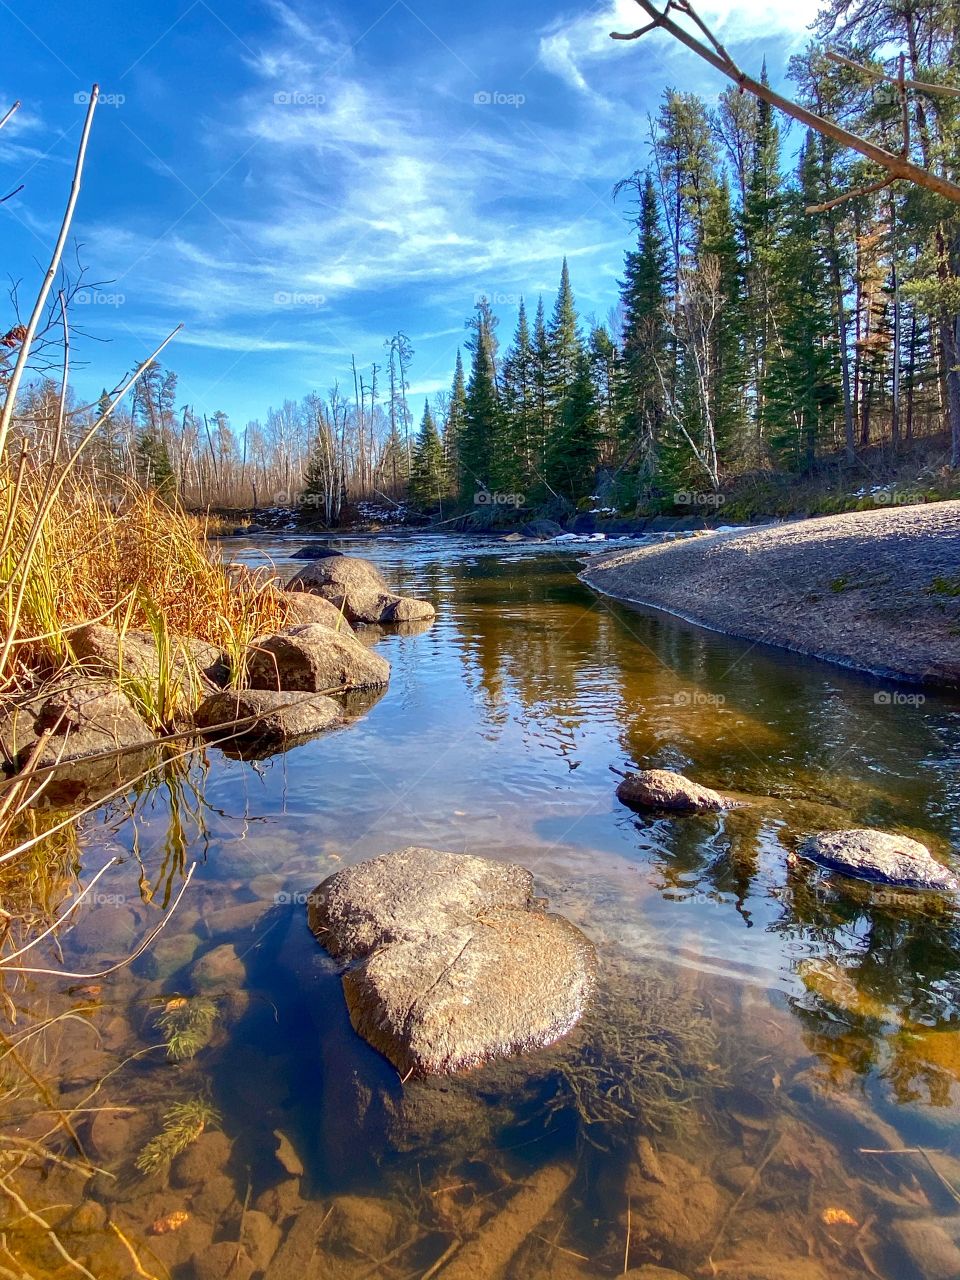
pixel 483 426
pixel 762 222
pixel 154 469
pixel 456 420
pixel 575 444
pixel 721 243
pixel 428 479
pixel 565 346
pixel 541 394
pixel 645 339
pixel 803 374
pixel 520 408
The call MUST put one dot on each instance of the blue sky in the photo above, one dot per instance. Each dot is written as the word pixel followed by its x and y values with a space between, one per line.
pixel 295 182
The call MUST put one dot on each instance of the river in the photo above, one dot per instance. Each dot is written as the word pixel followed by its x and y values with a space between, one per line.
pixel 764 1036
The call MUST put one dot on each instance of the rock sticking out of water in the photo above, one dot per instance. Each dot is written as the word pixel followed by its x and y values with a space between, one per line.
pixel 272 718
pixel 450 963
pixel 880 856
pixel 316 659
pixel 668 791
pixel 359 589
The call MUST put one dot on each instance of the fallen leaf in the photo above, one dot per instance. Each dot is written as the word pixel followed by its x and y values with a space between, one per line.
pixel 833 1217
pixel 172 1222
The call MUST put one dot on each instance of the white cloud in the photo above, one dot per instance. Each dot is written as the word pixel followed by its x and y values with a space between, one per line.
pixel 571 47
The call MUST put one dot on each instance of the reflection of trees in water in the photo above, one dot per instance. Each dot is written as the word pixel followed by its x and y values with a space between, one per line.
pixel 882 990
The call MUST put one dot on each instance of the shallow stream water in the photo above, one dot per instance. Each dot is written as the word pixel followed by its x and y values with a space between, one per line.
pixel 767 1085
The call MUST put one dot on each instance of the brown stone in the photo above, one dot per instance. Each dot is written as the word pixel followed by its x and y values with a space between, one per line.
pixel 316 659
pixel 357 587
pixel 662 789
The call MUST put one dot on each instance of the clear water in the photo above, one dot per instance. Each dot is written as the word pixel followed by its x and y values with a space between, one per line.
pixel 761 1030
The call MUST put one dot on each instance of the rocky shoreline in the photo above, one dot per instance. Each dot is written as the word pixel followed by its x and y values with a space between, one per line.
pixel 878 591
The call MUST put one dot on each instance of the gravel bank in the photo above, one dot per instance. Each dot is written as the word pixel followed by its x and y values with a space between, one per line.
pixel 865 589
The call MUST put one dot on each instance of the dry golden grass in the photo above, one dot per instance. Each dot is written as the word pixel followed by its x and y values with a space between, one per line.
pixel 125 564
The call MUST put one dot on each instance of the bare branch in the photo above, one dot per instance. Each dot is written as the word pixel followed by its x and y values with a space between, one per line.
pixel 876 73
pixel 896 166
pixel 16 107
pixel 14 385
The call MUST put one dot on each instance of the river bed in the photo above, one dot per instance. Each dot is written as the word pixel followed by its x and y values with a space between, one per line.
pixel 764 1037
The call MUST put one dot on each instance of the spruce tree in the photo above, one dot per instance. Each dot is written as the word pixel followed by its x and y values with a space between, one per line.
pixel 520 408
pixel 428 470
pixel 574 446
pixel 643 293
pixel 456 419
pixel 483 427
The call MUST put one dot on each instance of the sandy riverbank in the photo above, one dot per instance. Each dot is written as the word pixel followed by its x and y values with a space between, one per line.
pixel 875 590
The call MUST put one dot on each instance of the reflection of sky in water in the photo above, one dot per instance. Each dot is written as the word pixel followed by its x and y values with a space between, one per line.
pixel 501 723
pixel 496 735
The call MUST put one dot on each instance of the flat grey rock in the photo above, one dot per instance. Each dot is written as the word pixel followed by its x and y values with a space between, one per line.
pixel 880 856
pixel 450 964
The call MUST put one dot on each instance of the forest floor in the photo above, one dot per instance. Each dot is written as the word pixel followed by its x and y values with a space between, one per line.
pixel 875 590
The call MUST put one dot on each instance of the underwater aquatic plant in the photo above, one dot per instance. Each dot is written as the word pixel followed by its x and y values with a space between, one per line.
pixel 186 1025
pixel 182 1125
pixel 649 1053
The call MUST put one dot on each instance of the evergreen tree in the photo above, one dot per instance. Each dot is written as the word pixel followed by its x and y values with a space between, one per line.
pixel 645 340
pixel 483 427
pixel 154 469
pixel 574 446
pixel 541 394
pixel 565 346
pixel 762 224
pixel 456 419
pixel 728 368
pixel 520 408
pixel 428 478
pixel 803 387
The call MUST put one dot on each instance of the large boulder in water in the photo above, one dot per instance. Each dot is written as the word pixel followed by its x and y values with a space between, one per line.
pixel 357 587
pixel 450 962
pixel 880 856
pixel 668 791
pixel 316 659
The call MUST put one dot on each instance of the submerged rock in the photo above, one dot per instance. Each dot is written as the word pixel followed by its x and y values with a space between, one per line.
pixel 451 963
pixel 880 856
pixel 357 587
pixel 274 717
pixel 315 659
pixel 672 792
